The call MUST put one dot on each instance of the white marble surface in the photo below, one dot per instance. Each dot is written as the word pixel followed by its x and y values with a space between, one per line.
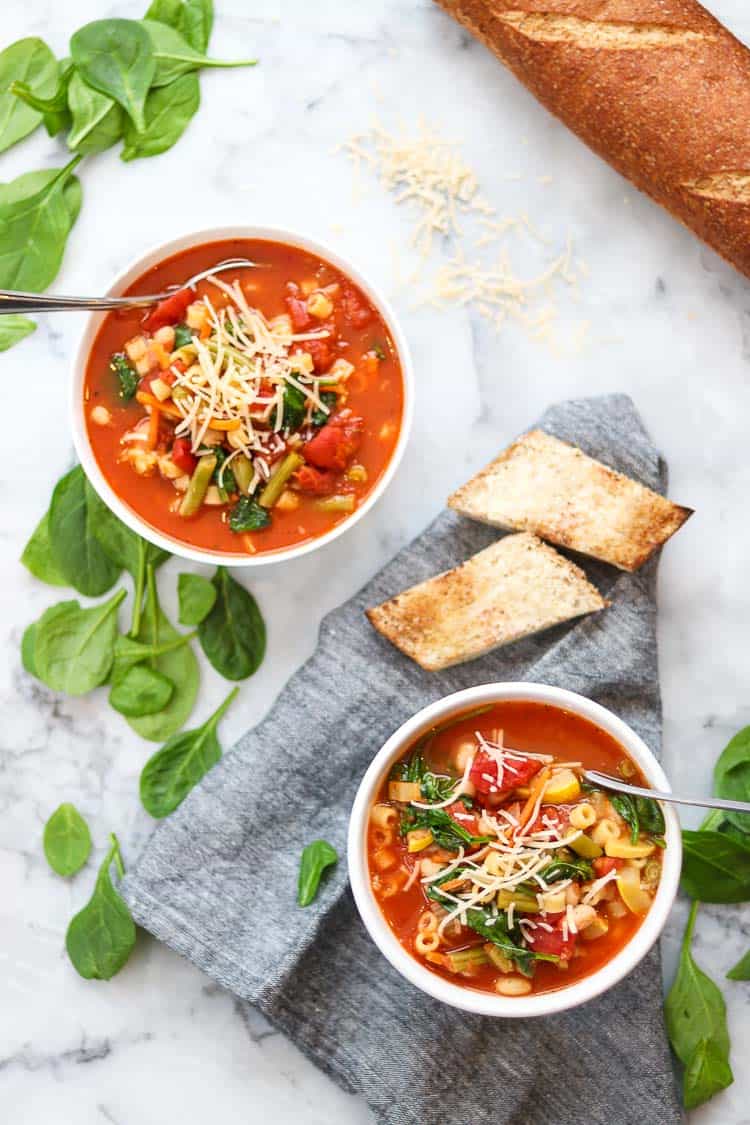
pixel 669 324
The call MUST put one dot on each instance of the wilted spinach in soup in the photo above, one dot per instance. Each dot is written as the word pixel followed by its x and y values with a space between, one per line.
pixel 250 411
pixel 497 866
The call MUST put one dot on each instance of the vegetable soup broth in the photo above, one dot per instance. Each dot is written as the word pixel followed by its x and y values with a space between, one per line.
pixel 403 897
pixel 367 398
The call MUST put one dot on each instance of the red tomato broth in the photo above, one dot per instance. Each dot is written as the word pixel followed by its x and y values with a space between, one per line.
pixel 377 398
pixel 527 726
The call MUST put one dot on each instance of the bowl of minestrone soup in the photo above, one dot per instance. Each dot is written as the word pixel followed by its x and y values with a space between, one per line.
pixel 486 868
pixel 256 412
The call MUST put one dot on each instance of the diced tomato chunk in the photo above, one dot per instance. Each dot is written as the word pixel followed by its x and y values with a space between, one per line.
pixel 336 443
pixel 301 318
pixel 356 311
pixel 552 941
pixel 321 352
pixel 315 482
pixel 463 816
pixel 516 771
pixel 603 864
pixel 182 456
pixel 555 816
pixel 169 311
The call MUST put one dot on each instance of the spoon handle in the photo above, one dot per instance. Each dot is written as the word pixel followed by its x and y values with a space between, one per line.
pixel 608 782
pixel 11 302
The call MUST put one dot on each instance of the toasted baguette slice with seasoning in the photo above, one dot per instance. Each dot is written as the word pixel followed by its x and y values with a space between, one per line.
pixel 545 486
pixel 511 589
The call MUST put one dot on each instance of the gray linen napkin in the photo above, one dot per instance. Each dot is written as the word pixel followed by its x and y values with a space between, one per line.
pixel 217 880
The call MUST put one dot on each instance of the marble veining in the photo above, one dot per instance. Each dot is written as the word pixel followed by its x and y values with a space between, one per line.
pixel 666 321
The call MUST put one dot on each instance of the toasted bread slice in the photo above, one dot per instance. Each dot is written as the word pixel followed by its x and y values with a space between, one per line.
pixel 515 587
pixel 545 486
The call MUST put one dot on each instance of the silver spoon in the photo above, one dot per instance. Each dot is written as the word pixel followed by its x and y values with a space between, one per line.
pixel 12 302
pixel 608 782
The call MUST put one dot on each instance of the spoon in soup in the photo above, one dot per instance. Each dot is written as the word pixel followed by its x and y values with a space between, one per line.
pixel 606 782
pixel 14 302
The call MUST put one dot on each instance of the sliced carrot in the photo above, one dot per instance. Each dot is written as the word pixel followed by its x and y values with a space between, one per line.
pixel 153 428
pixel 226 424
pixel 537 787
pixel 145 399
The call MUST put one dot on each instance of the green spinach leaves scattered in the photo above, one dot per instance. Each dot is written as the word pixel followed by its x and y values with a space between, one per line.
pixel 179 765
pixel 101 937
pixel 696 1020
pixel 196 597
pixel 73 537
pixel 233 634
pixel 316 857
pixel 67 840
pixel 115 57
pixel 126 375
pixel 74 647
pixel 13 329
pixel 29 61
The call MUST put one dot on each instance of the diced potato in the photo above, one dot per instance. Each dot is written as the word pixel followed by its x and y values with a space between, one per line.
pixel 339 370
pixel 319 306
pixel 162 355
pixel 101 416
pixel 563 786
pixel 513 986
pixel 303 362
pixel 160 389
pixel 165 336
pixel 621 848
pixel 135 349
pixel 418 839
pixel 168 469
pixel 404 790
pixel 288 501
pixel 196 315
pixel 142 460
pixel 631 892
pixel 596 929
pixel 583 916
pixel 553 901
pixel 212 499
pixel 145 365
pixel 181 483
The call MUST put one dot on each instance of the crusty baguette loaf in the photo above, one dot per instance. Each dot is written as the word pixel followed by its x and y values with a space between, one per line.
pixel 659 88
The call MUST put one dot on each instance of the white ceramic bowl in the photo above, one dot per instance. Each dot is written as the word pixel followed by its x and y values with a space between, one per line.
pixel 127 277
pixel 469 999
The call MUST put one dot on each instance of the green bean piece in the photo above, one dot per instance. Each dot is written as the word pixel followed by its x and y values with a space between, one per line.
pixel 584 846
pixel 278 479
pixel 198 486
pixel 243 473
pixel 461 960
pixel 344 503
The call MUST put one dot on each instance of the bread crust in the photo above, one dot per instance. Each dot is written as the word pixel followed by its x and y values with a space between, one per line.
pixel 658 88
pixel 553 489
pixel 513 588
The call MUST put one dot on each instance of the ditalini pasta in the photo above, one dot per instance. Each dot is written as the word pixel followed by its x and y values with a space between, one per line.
pixel 495 863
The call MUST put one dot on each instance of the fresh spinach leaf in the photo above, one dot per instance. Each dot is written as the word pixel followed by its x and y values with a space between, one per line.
pixel 116 58
pixel 316 857
pixel 192 18
pixel 319 417
pixel 54 108
pixel 13 329
pixel 101 937
pixel 168 112
pixel 180 764
pixel 183 335
pixel 248 515
pixel 28 649
pixel 178 664
pixel 74 647
pixel 706 1074
pixel 174 55
pixel 294 405
pixel 36 214
pixel 30 61
pixel 624 804
pixel 126 375
pixel 715 867
pixel 233 635
pixel 732 776
pixel 129 653
pixel 97 120
pixel 76 549
pixel 196 597
pixel 558 869
pixel 446 831
pixel 141 691
pixel 741 970
pixel 38 558
pixel 67 840
pixel 694 1008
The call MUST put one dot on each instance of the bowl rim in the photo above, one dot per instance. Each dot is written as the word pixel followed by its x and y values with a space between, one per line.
pixel 135 269
pixel 484 1003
